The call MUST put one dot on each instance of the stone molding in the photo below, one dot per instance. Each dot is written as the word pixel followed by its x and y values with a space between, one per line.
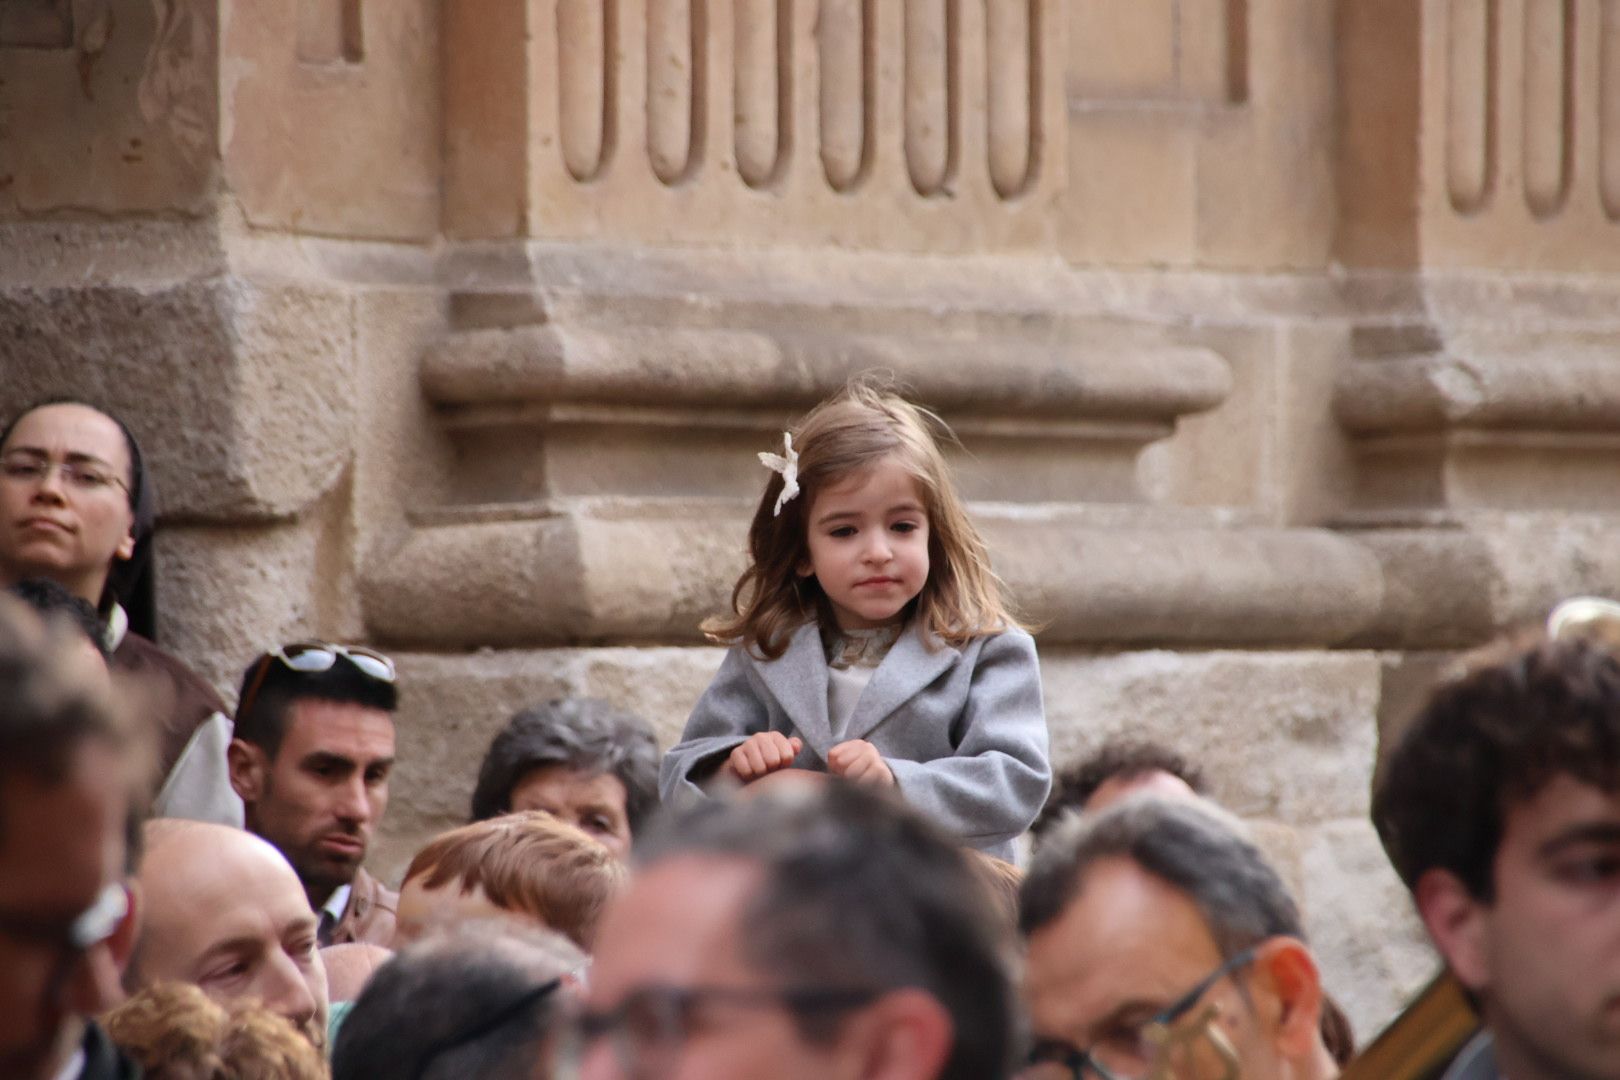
pixel 1482 422
pixel 652 570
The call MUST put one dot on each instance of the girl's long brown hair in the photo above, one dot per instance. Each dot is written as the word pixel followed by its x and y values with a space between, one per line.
pixel 854 430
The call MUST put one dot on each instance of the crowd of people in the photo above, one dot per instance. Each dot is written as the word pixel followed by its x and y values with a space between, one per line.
pixel 856 862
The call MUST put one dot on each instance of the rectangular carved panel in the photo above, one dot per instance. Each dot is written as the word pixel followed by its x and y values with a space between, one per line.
pixel 330 32
pixel 917 125
pixel 1526 150
pixel 1193 52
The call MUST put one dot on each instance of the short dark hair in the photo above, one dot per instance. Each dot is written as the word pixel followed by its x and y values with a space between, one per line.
pixel 468 1002
pixel 1186 845
pixel 580 733
pixel 1125 759
pixel 859 891
pixel 47 714
pixel 1516 717
pixel 54 600
pixel 264 724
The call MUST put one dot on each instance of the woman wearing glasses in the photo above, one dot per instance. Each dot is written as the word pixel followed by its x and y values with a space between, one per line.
pixel 77 508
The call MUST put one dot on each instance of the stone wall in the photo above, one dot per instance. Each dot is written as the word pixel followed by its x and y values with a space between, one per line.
pixel 1278 334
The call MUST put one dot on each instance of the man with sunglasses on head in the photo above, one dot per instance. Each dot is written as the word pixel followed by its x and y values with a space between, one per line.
pixel 67 919
pixel 811 932
pixel 1160 945
pixel 311 759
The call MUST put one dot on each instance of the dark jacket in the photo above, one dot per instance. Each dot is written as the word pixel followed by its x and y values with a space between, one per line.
pixel 103 1060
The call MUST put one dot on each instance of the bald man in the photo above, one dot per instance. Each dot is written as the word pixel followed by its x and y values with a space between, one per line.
pixel 226 912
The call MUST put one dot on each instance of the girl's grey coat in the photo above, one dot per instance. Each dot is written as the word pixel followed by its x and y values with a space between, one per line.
pixel 962 729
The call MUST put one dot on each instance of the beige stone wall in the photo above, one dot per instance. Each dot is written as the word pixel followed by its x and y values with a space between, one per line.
pixel 1280 335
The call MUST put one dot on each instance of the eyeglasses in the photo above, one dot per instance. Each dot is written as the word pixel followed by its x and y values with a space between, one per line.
pixel 487 1024
pixel 647 1029
pixel 85 476
pixel 1145 1052
pixel 312 658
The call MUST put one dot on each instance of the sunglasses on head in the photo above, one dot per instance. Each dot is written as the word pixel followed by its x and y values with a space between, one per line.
pixel 312 658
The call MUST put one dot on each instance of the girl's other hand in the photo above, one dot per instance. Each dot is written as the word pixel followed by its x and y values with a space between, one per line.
pixel 859 761
pixel 761 754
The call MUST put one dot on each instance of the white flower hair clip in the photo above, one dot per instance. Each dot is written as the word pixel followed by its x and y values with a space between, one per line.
pixel 786 463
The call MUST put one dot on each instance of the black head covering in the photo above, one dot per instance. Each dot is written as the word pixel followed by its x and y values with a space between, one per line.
pixel 131 582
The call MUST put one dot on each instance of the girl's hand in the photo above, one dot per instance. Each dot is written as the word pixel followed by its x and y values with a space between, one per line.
pixel 859 761
pixel 762 754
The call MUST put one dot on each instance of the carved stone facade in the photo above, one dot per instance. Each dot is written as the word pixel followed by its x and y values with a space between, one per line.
pixel 1280 334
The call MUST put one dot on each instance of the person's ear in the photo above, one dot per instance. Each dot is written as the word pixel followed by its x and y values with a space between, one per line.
pixel 126 546
pixel 1457 922
pixel 1284 967
pixel 248 766
pixel 121 945
pixel 905 1035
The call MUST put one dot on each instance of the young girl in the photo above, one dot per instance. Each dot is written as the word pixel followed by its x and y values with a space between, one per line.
pixel 869 636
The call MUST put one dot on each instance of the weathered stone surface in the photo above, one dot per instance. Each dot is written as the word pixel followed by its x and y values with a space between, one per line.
pixel 652 569
pixel 1278 586
pixel 401 450
pixel 1371 945
pixel 1379 53
pixel 1227 456
pixel 1206 133
pixel 1265 195
pixel 486 118
pixel 1408 678
pixel 1487 380
pixel 1535 193
pixel 1109 376
pixel 241 394
pixel 227 593
pixel 1459 581
pixel 338 142
pixel 1288 737
pixel 1133 180
pixel 626 151
pixel 122 121
pixel 1126 49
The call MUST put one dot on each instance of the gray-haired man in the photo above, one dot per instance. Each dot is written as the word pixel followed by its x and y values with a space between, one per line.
pixel 1158 936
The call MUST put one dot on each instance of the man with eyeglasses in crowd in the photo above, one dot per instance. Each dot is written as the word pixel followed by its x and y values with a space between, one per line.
pixel 812 932
pixel 67 917
pixel 1500 808
pixel 1160 943
pixel 77 507
pixel 311 759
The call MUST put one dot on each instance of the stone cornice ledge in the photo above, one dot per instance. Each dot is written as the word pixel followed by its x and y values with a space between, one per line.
pixel 571 577
pixel 1564 384
pixel 1118 375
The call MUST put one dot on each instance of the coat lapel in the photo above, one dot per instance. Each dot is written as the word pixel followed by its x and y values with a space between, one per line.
pixel 798 679
pixel 910 667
